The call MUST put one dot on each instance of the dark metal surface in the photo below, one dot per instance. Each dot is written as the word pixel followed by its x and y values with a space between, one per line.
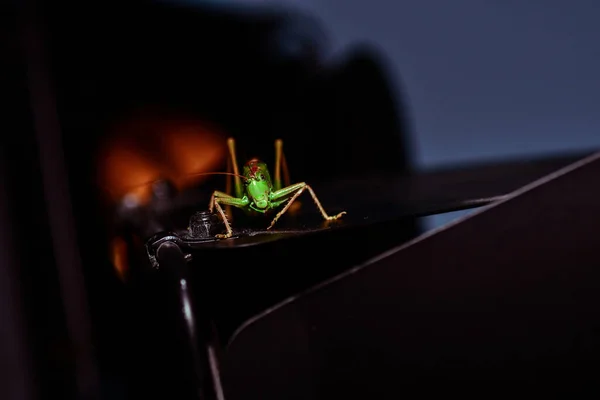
pixel 504 301
pixel 250 277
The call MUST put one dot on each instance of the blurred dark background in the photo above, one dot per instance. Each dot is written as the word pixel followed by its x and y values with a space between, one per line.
pixel 428 83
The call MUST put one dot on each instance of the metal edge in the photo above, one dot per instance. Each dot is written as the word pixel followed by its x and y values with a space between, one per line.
pixel 426 235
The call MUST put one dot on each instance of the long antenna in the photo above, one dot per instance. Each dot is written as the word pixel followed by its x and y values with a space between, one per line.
pixel 216 173
pixel 133 187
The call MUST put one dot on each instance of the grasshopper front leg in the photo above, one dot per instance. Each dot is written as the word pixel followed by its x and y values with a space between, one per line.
pixel 219 198
pixel 293 192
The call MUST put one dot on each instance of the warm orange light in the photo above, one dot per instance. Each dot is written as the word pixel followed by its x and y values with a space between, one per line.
pixel 189 153
pixel 125 171
pixel 119 257
pixel 145 148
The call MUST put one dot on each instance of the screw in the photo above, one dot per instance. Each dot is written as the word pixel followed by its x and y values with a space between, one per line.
pixel 203 224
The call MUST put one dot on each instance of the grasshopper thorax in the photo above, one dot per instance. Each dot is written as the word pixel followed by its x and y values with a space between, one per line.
pixel 258 183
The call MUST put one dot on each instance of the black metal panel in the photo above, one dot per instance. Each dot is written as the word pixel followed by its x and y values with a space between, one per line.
pixel 506 299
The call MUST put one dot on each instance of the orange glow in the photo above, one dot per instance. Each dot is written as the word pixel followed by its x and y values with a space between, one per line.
pixel 189 153
pixel 145 148
pixel 119 257
pixel 126 171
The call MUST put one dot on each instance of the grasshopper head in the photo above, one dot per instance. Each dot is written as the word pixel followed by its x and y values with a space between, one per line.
pixel 259 193
pixel 258 183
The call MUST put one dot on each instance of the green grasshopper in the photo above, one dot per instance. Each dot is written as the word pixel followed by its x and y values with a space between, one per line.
pixel 258 194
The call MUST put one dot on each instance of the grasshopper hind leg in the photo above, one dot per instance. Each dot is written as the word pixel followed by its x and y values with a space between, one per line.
pixel 233 167
pixel 281 166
